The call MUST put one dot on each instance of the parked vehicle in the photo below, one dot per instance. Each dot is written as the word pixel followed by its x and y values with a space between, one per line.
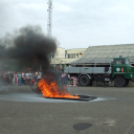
pixel 119 70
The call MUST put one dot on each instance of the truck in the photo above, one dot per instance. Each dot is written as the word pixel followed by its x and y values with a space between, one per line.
pixel 119 71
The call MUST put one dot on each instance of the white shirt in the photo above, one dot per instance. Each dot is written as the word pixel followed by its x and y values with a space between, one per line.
pixel 39 75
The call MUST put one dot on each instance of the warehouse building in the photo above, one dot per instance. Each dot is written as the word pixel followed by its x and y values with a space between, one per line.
pixel 105 54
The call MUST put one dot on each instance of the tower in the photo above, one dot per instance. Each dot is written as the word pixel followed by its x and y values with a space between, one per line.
pixel 49 24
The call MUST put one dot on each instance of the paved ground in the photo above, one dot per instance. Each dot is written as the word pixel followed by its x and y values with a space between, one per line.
pixel 24 112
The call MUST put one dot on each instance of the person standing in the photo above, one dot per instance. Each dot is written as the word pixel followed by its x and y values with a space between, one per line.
pixel 1 78
pixel 64 79
pixel 11 77
pixel 19 78
pixel 24 79
pixel 28 78
pixel 39 76
pixel 36 75
pixel 16 78
pixel 7 78
pixel 13 80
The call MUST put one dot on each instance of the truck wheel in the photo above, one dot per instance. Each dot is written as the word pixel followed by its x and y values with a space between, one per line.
pixel 119 81
pixel 84 80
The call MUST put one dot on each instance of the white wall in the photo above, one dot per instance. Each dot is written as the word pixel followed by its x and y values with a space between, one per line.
pixel 60 55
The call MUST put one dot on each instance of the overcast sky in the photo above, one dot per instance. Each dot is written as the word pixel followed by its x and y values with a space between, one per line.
pixel 75 23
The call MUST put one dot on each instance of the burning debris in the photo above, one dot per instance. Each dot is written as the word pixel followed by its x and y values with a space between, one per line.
pixel 50 88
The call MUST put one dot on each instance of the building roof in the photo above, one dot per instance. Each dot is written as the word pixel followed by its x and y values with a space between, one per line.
pixel 77 49
pixel 105 54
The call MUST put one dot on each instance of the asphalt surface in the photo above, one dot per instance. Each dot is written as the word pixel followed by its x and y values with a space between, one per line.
pixel 25 112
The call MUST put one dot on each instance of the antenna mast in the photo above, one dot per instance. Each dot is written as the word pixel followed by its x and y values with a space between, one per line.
pixel 49 24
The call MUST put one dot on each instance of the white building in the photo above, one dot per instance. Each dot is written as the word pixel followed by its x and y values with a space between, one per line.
pixel 63 56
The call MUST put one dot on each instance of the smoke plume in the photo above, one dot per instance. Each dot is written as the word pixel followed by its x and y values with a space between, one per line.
pixel 27 47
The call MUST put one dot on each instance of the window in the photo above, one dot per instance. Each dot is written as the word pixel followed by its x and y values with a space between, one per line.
pixel 77 55
pixel 127 62
pixel 72 56
pixel 120 61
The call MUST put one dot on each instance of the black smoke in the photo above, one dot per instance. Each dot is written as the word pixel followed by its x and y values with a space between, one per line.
pixel 27 47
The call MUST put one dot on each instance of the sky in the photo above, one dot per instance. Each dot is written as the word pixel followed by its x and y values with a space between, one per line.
pixel 75 23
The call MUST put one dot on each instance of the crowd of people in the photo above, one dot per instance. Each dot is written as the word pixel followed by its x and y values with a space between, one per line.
pixel 27 78
pixel 19 78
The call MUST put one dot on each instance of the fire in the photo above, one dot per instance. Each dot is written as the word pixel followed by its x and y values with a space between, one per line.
pixel 50 90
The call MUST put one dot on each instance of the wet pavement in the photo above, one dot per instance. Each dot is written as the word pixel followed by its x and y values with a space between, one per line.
pixel 23 111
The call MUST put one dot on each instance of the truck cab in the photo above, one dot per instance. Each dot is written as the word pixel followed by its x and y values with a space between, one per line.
pixel 122 72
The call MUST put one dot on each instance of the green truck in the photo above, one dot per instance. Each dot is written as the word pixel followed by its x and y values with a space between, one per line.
pixel 120 71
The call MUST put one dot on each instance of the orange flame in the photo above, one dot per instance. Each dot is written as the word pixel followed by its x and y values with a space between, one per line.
pixel 50 90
